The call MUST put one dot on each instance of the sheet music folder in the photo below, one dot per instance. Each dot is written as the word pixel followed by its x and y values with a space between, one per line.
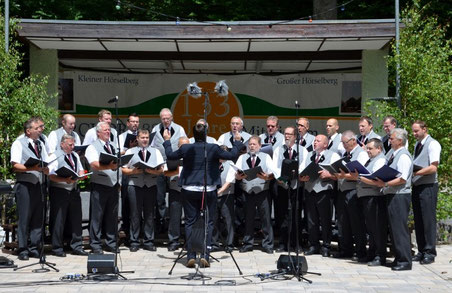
pixel 385 173
pixel 312 170
pixel 251 173
pixel 105 159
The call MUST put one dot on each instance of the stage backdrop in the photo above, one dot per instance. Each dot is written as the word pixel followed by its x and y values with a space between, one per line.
pixel 253 97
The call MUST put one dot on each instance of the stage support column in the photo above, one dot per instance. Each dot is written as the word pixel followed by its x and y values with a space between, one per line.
pixel 45 63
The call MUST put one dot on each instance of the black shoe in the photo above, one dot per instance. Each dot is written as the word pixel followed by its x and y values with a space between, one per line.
pixel 404 267
pixel 133 248
pixel 59 253
pixel 228 249
pixel 112 249
pixel 418 257
pixel 427 260
pixel 23 256
pixel 312 250
pixel 79 252
pixel 215 249
pixel 325 252
pixel 97 251
pixel 150 248
pixel 173 247
pixel 362 259
pixel 246 249
pixel 33 254
pixel 377 261
pixel 267 250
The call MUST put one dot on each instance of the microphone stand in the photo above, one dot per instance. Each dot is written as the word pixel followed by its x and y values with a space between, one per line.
pixel 117 272
pixel 42 257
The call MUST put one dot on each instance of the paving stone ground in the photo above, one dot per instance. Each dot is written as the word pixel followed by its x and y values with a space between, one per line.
pixel 151 274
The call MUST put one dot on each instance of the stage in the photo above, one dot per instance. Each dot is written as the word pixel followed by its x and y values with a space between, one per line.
pixel 151 274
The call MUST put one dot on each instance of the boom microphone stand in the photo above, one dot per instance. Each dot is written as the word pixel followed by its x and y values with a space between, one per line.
pixel 42 257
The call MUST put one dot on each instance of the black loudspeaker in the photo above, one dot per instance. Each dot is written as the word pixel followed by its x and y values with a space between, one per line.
pixel 285 264
pixel 101 264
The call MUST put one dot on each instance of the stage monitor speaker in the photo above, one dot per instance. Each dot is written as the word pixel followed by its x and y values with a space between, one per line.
pixel 101 264
pixel 285 264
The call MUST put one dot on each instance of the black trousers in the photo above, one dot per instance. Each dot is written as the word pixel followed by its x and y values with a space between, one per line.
pixel 352 229
pixel 424 202
pixel 318 206
pixel 65 207
pixel 192 206
pixel 285 221
pixel 161 199
pixel 125 216
pixel 376 219
pixel 175 215
pixel 103 212
pixel 224 218
pixel 30 215
pixel 141 204
pixel 398 209
pixel 261 202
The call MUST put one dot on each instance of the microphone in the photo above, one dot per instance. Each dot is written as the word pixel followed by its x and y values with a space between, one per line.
pixel 113 100
pixel 297 105
pixel 38 145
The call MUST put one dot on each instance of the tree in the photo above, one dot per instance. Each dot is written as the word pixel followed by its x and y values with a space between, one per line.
pixel 20 98
pixel 425 87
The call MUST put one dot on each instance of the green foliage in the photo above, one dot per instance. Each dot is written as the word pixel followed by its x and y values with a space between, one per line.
pixel 20 98
pixel 425 88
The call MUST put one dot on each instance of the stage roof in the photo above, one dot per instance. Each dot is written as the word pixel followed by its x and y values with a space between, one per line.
pixel 192 47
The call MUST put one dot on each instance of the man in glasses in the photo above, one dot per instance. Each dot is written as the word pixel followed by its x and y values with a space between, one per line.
pixel 272 135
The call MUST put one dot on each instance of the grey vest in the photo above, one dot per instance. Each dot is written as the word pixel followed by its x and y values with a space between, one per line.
pixel 347 184
pixel 223 175
pixel 364 189
pixel 61 155
pixel 405 188
pixel 143 179
pixel 320 185
pixel 423 160
pixel 256 185
pixel 29 176
pixel 59 134
pixel 335 144
pixel 227 138
pixel 105 177
pixel 158 140
pixel 278 138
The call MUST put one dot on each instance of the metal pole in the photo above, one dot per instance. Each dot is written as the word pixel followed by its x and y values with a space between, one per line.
pixel 397 52
pixel 6 26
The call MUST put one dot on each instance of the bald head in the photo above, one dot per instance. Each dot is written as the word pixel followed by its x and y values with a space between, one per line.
pixel 320 143
pixel 183 140
pixel 68 122
pixel 332 126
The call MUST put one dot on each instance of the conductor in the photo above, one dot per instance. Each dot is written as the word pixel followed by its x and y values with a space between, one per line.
pixel 192 180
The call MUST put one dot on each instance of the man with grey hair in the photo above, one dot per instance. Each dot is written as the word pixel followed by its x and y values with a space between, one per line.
pixel 227 138
pixel 177 131
pixel 104 191
pixel 349 214
pixel 398 198
pixel 65 201
pixel 28 187
pixel 209 139
pixel 68 126
pixel 272 135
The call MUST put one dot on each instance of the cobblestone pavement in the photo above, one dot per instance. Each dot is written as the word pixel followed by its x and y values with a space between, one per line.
pixel 151 274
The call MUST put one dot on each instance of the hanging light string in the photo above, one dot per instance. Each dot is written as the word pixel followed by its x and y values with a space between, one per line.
pixel 178 19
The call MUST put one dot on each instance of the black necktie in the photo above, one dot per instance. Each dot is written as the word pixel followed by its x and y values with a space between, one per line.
pixel 367 163
pixel 37 148
pixel 391 159
pixel 418 149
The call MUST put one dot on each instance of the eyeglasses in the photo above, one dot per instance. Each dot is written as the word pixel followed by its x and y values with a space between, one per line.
pixel 344 142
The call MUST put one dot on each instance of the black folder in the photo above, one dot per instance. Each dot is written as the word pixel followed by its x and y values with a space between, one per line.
pixel 385 173
pixel 142 165
pixel 267 148
pixel 289 170
pixel 251 173
pixel 312 170
pixel 417 168
pixel 130 138
pixel 80 149
pixel 105 159
pixel 33 162
pixel 66 172
pixel 337 166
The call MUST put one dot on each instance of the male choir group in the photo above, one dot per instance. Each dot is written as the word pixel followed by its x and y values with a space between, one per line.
pixel 366 210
